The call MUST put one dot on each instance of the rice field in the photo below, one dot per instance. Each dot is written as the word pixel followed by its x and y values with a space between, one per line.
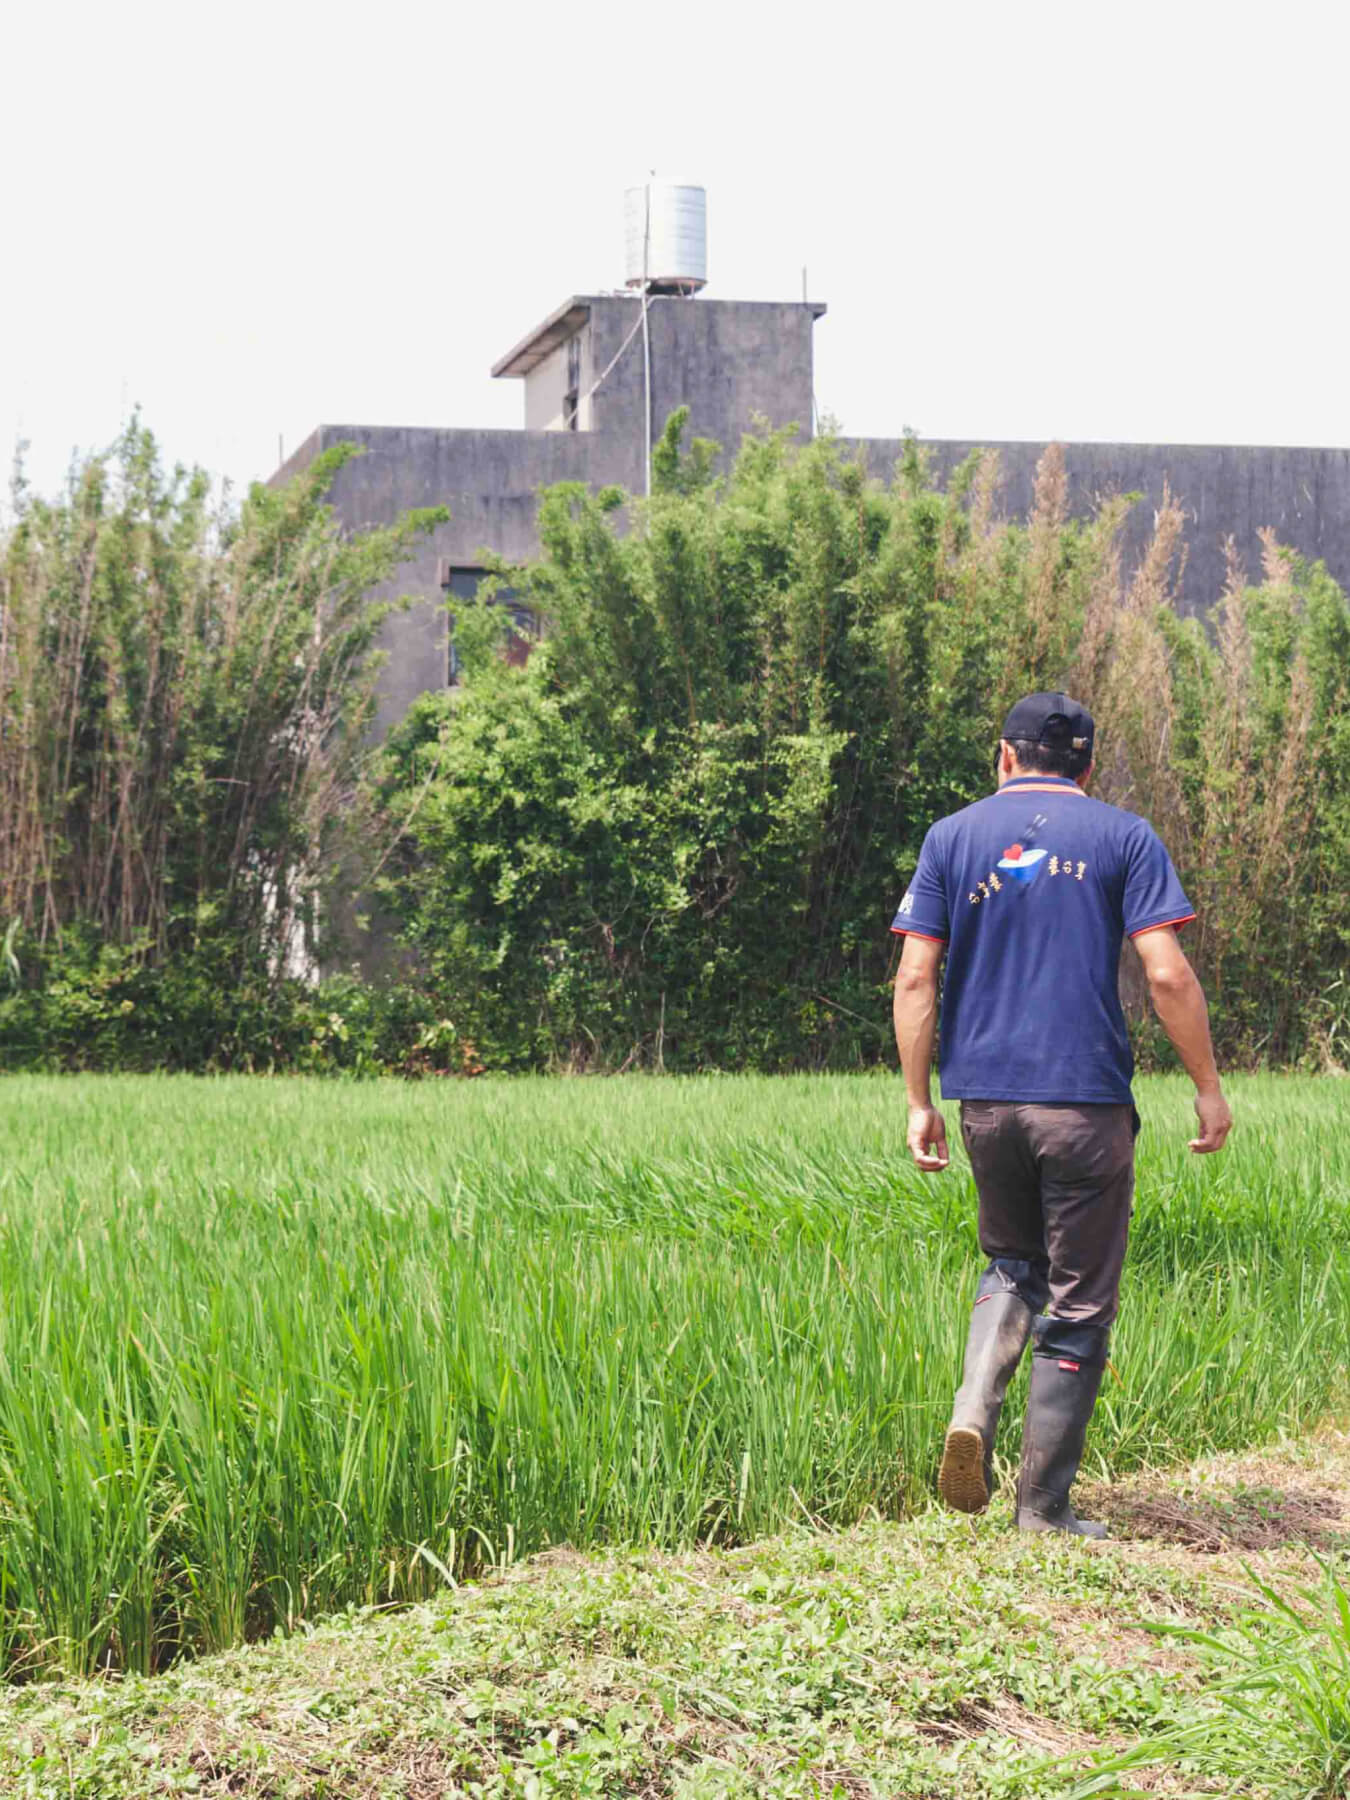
pixel 268 1348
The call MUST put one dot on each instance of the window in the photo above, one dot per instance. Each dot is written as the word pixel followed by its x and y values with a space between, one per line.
pixel 572 398
pixel 461 582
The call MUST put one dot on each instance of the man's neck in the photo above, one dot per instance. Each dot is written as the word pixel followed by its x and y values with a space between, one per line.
pixel 1017 773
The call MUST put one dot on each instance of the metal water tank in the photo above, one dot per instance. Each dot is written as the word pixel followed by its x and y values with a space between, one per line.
pixel 666 237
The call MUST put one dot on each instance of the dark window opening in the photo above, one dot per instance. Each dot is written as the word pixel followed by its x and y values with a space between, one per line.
pixel 572 398
pixel 463 583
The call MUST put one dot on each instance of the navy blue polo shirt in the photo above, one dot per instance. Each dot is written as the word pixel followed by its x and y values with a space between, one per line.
pixel 1032 890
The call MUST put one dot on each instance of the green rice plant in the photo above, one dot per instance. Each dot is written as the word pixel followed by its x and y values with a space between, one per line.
pixel 268 1348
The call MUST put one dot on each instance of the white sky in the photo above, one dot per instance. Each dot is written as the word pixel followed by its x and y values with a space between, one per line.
pixel 1028 219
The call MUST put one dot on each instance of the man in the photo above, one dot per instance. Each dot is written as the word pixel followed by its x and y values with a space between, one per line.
pixel 1028 893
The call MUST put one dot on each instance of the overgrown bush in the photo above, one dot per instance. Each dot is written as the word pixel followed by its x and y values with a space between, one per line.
pixel 674 838
pixel 186 690
pixel 185 693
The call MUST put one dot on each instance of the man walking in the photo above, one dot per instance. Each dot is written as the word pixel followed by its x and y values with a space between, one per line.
pixel 1028 894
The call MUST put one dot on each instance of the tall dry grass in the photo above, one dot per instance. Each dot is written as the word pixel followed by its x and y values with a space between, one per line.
pixel 1229 732
pixel 184 689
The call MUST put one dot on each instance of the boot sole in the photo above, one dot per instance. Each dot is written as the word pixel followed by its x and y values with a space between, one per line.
pixel 961 1477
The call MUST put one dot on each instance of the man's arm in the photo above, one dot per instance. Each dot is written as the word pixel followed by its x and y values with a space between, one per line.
pixel 1179 1001
pixel 916 1015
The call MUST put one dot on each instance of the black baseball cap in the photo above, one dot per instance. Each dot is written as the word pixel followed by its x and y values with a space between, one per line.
pixel 1050 719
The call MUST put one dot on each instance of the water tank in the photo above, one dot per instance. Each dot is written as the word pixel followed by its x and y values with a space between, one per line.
pixel 666 237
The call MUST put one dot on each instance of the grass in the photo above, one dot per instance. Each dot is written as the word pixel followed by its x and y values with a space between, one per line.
pixel 1282 1687
pixel 270 1349
pixel 934 1659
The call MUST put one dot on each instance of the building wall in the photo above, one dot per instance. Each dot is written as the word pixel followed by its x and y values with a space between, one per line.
pixel 489 480
pixel 1303 494
pixel 544 392
pixel 726 360
pixel 547 385
pixel 731 362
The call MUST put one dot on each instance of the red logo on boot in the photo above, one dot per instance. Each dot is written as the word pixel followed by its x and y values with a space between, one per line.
pixel 1073 1368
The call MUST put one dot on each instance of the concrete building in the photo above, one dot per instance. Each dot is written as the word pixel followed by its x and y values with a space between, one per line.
pixel 585 375
pixel 730 361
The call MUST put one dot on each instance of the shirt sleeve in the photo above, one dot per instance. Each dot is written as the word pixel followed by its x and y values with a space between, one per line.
pixel 923 910
pixel 1153 894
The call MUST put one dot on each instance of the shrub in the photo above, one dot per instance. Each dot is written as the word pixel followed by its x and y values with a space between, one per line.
pixel 99 1006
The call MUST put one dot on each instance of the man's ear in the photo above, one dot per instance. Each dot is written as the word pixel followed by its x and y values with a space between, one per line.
pixel 1086 776
pixel 1005 762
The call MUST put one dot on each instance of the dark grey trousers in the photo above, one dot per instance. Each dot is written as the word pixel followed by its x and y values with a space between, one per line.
pixel 1056 1188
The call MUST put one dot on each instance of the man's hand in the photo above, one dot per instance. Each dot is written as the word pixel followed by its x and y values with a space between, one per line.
pixel 1179 1002
pixel 927 1138
pixel 1216 1121
pixel 916 1009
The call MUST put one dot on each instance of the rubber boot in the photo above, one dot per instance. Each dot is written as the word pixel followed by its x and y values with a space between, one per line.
pixel 1063 1394
pixel 999 1329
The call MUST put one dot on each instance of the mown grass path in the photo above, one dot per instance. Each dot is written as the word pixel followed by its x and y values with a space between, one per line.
pixel 268 1349
pixel 937 1659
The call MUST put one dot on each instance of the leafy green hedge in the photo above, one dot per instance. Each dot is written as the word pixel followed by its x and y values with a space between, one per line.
pixel 98 1006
